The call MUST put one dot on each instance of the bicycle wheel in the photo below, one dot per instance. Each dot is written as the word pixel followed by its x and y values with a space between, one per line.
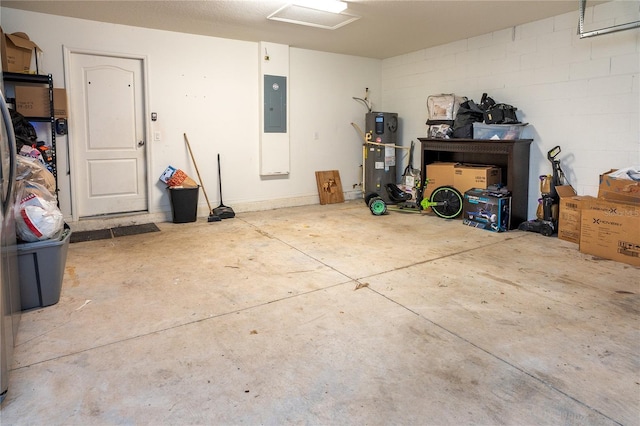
pixel 449 202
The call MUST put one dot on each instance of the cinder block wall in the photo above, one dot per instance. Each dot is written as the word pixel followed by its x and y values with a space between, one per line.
pixel 581 94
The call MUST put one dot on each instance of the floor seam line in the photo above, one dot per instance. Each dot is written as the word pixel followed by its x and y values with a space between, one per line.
pixel 349 279
pixel 268 235
pixel 422 262
pixel 200 320
pixel 504 361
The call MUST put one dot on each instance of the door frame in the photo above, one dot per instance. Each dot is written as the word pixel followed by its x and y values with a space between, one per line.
pixel 71 155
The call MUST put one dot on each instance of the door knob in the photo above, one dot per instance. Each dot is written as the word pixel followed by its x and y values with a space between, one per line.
pixel 141 143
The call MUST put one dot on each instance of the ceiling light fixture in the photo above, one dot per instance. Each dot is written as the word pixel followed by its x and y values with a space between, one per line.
pixel 325 14
pixel 331 6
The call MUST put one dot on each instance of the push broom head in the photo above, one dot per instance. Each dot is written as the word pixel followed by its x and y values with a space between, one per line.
pixel 224 212
pixel 213 217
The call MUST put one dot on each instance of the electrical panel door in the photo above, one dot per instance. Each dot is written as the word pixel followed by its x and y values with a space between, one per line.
pixel 275 104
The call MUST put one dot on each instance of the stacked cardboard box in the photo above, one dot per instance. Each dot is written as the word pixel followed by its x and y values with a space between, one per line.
pixel 438 174
pixel 613 189
pixel 607 226
pixel 462 177
pixel 468 176
pixel 18 53
pixel 612 233
pixel 570 209
pixel 33 101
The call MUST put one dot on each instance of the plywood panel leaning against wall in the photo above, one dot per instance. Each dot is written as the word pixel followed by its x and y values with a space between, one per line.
pixel 329 187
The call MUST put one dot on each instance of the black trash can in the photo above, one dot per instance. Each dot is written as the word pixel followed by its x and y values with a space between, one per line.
pixel 184 204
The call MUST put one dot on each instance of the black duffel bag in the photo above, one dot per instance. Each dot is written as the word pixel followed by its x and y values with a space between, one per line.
pixel 468 113
pixel 501 114
pixel 25 133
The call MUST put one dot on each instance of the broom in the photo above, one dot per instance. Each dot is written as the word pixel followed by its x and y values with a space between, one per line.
pixel 224 212
pixel 212 216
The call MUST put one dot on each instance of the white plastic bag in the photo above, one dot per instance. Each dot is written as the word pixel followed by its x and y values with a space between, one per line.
pixel 443 107
pixel 32 170
pixel 629 173
pixel 38 217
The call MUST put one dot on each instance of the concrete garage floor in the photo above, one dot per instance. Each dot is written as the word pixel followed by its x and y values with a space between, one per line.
pixel 327 315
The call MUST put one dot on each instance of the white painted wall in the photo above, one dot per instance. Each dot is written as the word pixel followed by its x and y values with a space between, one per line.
pixel 208 88
pixel 580 94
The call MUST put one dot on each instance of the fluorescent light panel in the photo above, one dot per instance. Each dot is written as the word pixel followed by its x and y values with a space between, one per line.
pixel 299 14
pixel 331 6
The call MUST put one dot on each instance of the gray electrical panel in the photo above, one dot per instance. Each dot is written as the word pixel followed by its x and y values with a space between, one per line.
pixel 275 104
pixel 380 161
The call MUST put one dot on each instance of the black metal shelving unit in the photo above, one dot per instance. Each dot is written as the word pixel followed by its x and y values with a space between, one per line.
pixel 39 79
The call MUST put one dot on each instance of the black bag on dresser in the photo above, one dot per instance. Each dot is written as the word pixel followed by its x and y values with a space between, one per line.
pixel 497 113
pixel 501 114
pixel 468 113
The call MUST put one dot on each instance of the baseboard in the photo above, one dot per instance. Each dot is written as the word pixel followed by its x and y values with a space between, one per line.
pixel 91 224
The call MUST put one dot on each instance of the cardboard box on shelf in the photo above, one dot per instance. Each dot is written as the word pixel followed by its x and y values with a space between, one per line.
pixel 625 190
pixel 18 52
pixel 438 174
pixel 467 176
pixel 611 231
pixel 60 103
pixel 33 101
pixel 487 210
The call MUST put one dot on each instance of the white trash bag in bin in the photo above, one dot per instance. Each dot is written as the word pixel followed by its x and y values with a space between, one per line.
pixel 38 217
pixel 32 170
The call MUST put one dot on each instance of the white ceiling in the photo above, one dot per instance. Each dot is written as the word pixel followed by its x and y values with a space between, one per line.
pixel 386 28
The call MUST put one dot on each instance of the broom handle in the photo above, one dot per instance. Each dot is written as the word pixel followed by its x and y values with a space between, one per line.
pixel 220 179
pixel 197 171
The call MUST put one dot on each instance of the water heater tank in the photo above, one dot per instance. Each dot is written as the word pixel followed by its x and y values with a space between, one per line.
pixel 380 160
